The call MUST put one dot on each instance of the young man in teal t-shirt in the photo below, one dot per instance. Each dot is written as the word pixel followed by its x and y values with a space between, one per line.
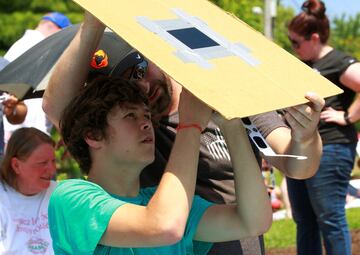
pixel 108 130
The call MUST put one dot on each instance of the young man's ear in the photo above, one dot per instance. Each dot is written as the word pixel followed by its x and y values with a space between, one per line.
pixel 93 143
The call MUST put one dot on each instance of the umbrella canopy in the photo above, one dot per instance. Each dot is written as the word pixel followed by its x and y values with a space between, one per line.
pixel 23 76
pixel 28 75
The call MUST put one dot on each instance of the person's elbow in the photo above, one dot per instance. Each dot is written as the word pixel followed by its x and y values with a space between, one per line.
pixel 307 168
pixel 261 226
pixel 50 110
pixel 144 232
pixel 302 174
pixel 164 229
pixel 308 174
pixel 306 171
pixel 314 166
pixel 267 222
pixel 171 231
pixel 46 105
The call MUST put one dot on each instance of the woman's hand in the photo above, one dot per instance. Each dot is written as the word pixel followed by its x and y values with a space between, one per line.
pixel 331 115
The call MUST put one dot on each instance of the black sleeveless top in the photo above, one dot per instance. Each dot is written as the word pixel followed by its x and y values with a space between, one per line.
pixel 332 66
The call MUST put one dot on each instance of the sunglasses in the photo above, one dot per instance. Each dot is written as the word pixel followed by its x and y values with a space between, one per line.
pixel 138 71
pixel 261 143
pixel 256 138
pixel 296 44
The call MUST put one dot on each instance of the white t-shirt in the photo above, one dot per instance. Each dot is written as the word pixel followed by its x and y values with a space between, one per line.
pixel 29 39
pixel 24 228
pixel 35 116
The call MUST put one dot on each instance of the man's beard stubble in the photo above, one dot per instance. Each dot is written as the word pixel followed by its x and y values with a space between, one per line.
pixel 160 107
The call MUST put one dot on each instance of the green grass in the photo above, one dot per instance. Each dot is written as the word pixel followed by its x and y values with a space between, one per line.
pixel 353 217
pixel 283 232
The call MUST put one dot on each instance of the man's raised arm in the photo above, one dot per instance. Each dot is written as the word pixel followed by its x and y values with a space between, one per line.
pixel 72 68
pixel 302 139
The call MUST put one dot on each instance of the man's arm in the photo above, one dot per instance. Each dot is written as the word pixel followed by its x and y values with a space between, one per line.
pixel 302 139
pixel 72 68
pixel 252 214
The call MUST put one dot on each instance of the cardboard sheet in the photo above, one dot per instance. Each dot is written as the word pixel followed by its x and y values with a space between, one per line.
pixel 220 59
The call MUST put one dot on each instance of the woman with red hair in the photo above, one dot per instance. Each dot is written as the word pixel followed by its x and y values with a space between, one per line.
pixel 318 202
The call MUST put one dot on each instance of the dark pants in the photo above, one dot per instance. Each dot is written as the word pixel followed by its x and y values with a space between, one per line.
pixel 251 246
pixel 318 203
pixel 353 191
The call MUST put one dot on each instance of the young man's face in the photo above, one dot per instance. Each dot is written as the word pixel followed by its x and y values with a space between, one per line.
pixel 157 86
pixel 35 172
pixel 130 135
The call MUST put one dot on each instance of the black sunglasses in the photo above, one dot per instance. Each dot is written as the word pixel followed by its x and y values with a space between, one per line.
pixel 261 143
pixel 138 71
pixel 296 44
pixel 256 137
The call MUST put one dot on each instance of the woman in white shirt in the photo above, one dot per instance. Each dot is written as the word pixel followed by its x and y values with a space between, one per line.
pixel 25 187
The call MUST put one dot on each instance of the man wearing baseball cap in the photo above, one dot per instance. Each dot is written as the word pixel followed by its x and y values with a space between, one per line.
pixel 49 24
pixel 58 19
pixel 215 176
pixel 115 57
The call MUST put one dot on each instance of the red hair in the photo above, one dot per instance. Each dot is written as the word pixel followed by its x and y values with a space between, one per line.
pixel 311 20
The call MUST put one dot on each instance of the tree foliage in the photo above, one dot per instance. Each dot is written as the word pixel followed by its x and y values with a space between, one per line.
pixel 66 166
pixel 18 15
pixel 243 9
pixel 346 34
pixel 345 30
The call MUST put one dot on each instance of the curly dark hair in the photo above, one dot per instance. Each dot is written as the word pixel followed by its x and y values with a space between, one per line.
pixel 86 115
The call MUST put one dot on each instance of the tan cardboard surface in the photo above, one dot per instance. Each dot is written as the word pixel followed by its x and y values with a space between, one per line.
pixel 232 86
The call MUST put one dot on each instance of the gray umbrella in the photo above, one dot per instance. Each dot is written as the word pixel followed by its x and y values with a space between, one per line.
pixel 28 75
pixel 3 63
pixel 22 76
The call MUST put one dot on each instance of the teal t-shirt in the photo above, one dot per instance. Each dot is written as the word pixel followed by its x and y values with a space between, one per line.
pixel 79 212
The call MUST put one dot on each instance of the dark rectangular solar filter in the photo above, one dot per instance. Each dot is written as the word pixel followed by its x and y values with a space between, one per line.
pixel 193 38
